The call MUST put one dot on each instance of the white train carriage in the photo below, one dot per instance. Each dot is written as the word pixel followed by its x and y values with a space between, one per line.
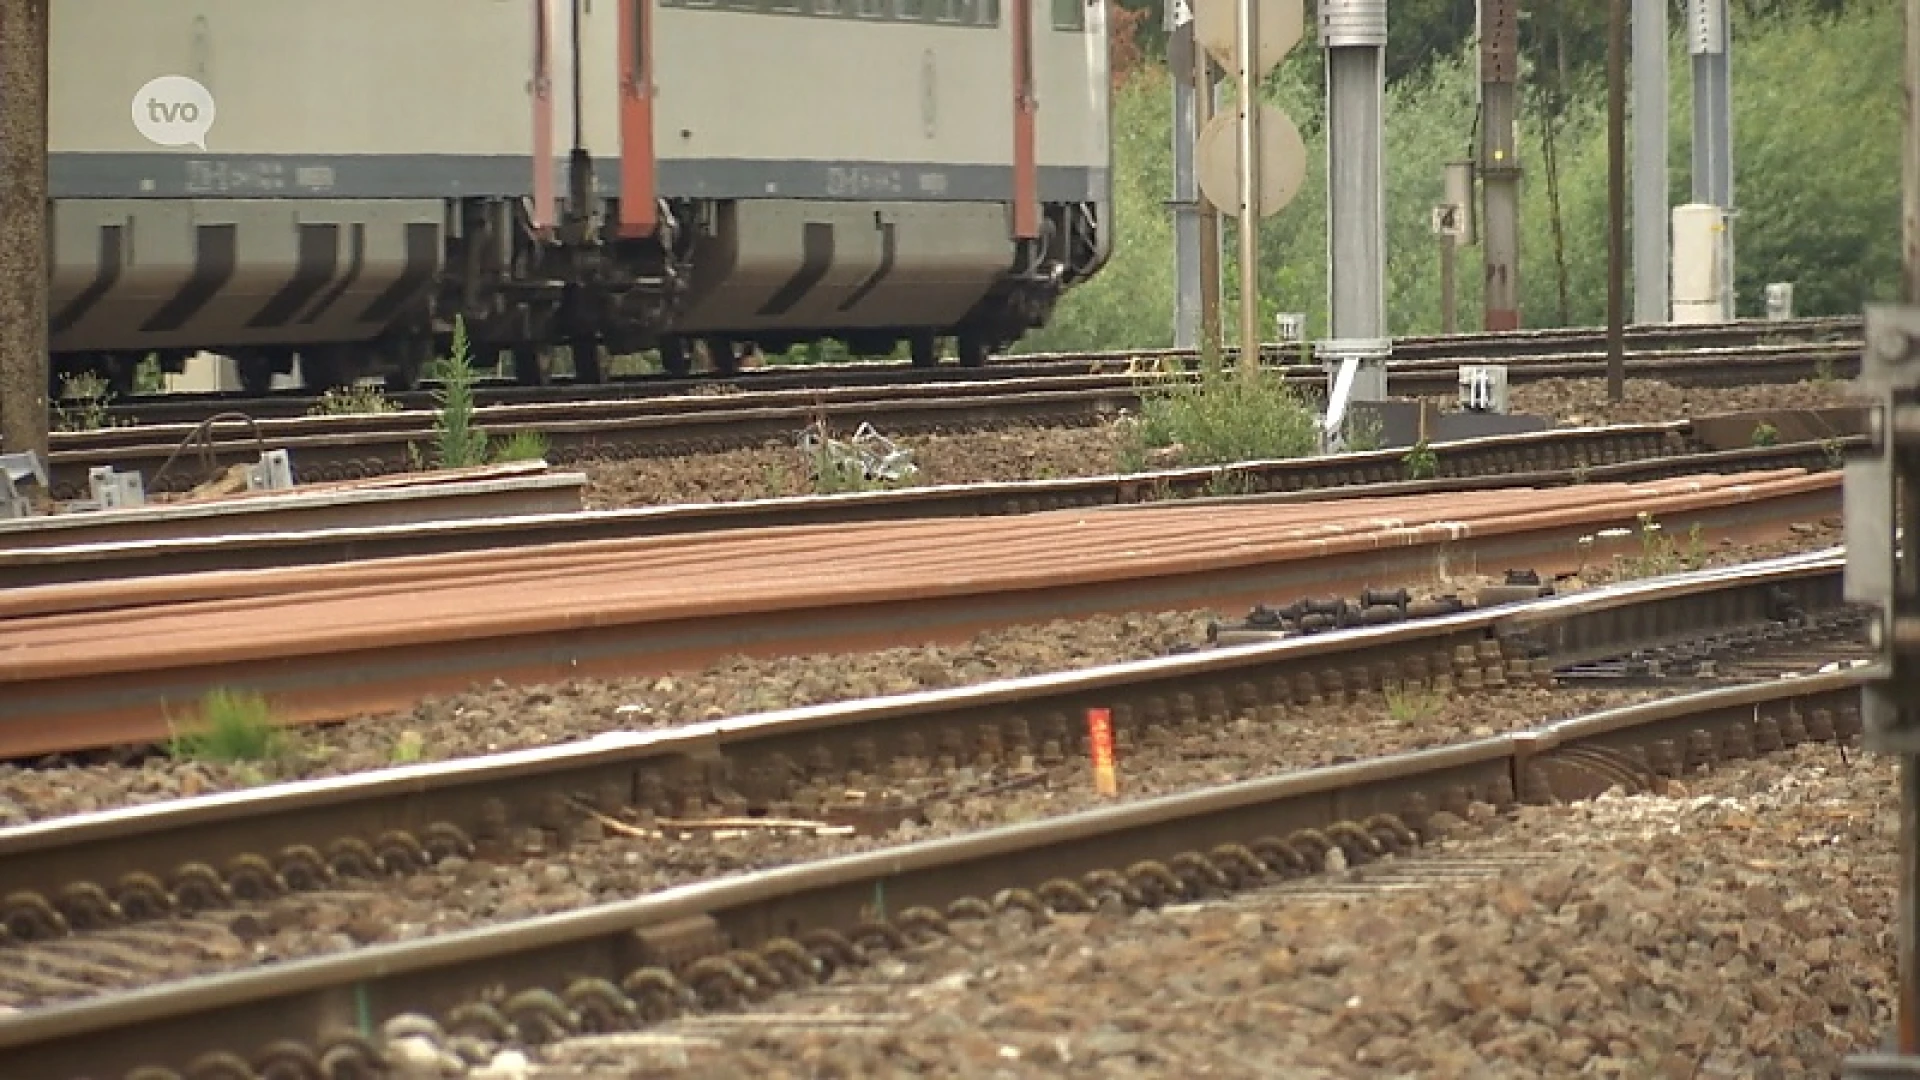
pixel 744 171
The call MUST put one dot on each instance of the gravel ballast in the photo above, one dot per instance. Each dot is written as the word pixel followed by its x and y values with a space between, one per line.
pixel 1024 453
pixel 499 717
pixel 1737 925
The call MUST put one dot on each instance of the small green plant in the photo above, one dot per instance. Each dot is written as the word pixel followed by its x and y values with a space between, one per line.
pixel 234 726
pixel 461 443
pixel 1221 418
pixel 408 748
pixel 521 446
pixel 1582 471
pixel 1660 555
pixel 1836 452
pixel 1421 462
pixel 1823 375
pixel 90 395
pixel 355 400
pixel 148 376
pixel 1765 434
pixel 1363 432
pixel 1228 482
pixel 1407 706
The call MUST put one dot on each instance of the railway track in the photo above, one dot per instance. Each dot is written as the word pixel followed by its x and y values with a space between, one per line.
pixel 1615 454
pixel 334 642
pixel 349 447
pixel 1528 346
pixel 718 943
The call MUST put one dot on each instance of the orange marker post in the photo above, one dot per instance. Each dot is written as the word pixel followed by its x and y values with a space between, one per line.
pixel 1100 745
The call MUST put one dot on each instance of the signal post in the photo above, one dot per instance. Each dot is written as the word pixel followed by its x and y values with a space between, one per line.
pixel 1252 161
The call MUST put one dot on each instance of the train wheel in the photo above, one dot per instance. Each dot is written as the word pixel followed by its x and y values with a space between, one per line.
pixel 723 357
pixel 586 361
pixel 926 350
pixel 973 350
pixel 322 369
pixel 256 374
pixel 675 360
pixel 527 369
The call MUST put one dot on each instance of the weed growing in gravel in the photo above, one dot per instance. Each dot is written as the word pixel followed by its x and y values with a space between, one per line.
pixel 353 400
pixel 461 443
pixel 1765 435
pixel 408 748
pixel 234 726
pixel 90 396
pixel 1409 706
pixel 1222 418
pixel 521 446
pixel 1421 462
pixel 1660 555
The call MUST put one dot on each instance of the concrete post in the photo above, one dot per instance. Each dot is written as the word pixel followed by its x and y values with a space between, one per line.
pixel 1500 159
pixel 1710 43
pixel 1183 57
pixel 1355 35
pixel 23 226
pixel 1652 256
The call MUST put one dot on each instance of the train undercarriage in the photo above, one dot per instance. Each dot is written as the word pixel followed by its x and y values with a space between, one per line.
pixel 723 279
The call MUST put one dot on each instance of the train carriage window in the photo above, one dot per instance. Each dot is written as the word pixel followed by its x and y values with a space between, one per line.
pixel 910 10
pixel 871 9
pixel 1069 15
pixel 986 12
pixel 828 7
pixel 781 7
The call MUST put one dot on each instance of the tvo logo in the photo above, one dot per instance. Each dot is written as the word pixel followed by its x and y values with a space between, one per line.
pixel 174 110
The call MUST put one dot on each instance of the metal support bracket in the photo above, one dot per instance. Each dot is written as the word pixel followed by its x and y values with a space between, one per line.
pixel 273 472
pixel 16 470
pixel 1483 388
pixel 115 490
pixel 1357 371
pixel 1883 495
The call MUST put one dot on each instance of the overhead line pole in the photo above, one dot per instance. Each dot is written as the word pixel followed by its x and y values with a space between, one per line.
pixel 1245 28
pixel 23 226
pixel 1616 198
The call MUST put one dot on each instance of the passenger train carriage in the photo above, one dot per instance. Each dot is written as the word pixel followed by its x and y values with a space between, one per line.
pixel 736 173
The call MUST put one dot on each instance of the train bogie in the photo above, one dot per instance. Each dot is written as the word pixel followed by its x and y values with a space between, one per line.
pixel 746 173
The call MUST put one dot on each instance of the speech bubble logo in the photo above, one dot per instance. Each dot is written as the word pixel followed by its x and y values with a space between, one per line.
pixel 174 110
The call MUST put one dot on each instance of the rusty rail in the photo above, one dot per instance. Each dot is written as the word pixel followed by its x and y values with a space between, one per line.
pixel 715 944
pixel 98 869
pixel 406 502
pixel 344 447
pixel 1564 344
pixel 1626 453
pixel 335 642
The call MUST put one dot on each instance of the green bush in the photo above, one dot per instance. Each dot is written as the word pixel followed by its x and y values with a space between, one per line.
pixel 1222 418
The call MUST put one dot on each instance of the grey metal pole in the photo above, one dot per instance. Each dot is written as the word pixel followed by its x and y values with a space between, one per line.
pixel 1183 55
pixel 1709 40
pixel 1206 91
pixel 1651 214
pixel 23 226
pixel 1355 35
pixel 1500 159
pixel 1448 319
pixel 1245 33
pixel 1616 199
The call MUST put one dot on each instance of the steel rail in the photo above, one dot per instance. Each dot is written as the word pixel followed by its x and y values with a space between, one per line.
pixel 714 944
pixel 97 869
pixel 1464 348
pixel 72 687
pixel 1622 453
pixel 344 447
pixel 416 501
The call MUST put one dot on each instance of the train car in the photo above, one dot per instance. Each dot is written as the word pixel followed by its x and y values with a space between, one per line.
pixel 338 181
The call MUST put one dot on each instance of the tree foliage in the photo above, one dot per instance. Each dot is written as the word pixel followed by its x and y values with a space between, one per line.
pixel 1817 103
